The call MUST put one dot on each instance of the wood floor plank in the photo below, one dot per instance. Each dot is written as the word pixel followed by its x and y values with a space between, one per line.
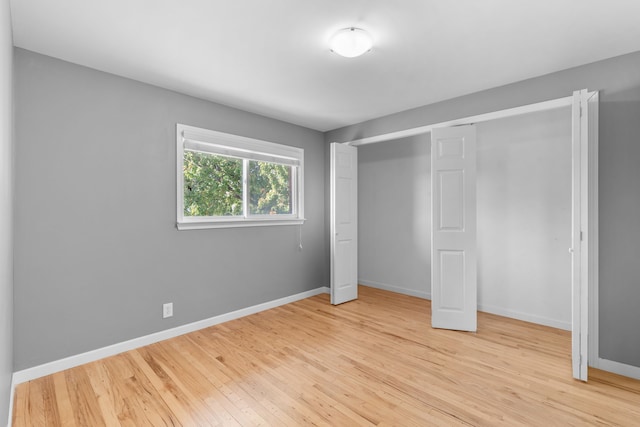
pixel 84 401
pixel 195 391
pixel 101 384
pixel 20 411
pixel 371 362
pixel 63 400
pixel 209 363
pixel 136 401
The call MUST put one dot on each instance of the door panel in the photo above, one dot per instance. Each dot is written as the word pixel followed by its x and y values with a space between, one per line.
pixel 452 290
pixel 344 223
pixel 453 205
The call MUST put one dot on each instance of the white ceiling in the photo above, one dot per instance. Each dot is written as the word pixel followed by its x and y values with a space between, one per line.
pixel 271 56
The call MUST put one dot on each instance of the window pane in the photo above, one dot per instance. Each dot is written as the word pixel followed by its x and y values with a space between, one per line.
pixel 269 188
pixel 212 185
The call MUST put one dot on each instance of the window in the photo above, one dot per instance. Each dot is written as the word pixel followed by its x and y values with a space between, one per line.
pixel 231 181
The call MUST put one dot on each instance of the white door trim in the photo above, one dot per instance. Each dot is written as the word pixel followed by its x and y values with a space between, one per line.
pixel 593 226
pixel 500 114
pixel 579 237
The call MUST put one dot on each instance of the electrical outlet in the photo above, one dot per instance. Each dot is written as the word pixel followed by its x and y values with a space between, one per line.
pixel 167 310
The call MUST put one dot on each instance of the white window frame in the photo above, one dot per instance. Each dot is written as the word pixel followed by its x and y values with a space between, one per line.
pixel 245 148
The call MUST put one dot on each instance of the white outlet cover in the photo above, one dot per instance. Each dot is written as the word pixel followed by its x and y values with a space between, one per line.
pixel 167 310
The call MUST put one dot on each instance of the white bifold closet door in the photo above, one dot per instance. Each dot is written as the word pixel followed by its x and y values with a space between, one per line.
pixel 453 233
pixel 344 223
pixel 580 231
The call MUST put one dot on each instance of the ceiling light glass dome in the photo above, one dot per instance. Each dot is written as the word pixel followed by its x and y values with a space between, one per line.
pixel 351 42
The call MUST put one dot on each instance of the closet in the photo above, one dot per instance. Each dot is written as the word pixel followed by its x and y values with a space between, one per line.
pixel 536 192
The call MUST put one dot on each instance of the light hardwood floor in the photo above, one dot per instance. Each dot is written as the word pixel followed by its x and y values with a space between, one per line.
pixel 374 361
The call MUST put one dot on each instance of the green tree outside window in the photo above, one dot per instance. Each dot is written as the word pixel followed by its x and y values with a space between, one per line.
pixel 213 186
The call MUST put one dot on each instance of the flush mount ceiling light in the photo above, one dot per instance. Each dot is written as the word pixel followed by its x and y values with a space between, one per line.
pixel 351 42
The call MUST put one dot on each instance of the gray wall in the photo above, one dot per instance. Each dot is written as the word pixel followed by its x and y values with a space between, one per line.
pixel 96 248
pixel 524 216
pixel 618 80
pixel 394 219
pixel 6 209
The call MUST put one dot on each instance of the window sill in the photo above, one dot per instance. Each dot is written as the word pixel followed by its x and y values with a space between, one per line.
pixel 199 225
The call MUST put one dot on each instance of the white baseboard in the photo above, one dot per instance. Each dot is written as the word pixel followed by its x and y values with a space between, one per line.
pixel 617 368
pixel 525 317
pixel 93 355
pixel 397 289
